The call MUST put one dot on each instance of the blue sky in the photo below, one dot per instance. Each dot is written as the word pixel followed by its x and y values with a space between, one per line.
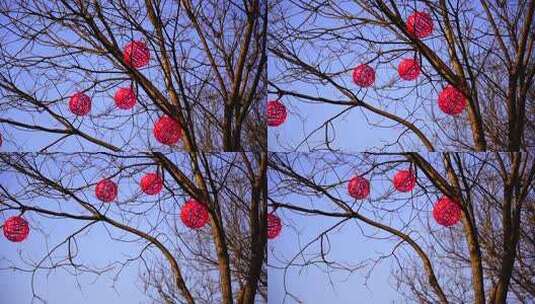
pixel 356 129
pixel 60 286
pixel 106 123
pixel 127 129
pixel 97 247
pixel 55 86
pixel 353 133
pixel 350 244
pixel 317 284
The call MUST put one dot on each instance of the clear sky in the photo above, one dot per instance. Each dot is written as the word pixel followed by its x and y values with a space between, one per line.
pixel 355 129
pixel 60 286
pixel 100 247
pixel 96 248
pixel 316 284
pixel 352 243
pixel 128 129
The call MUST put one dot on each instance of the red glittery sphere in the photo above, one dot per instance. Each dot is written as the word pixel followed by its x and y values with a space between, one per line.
pixel 194 214
pixel 125 98
pixel 276 113
pixel 167 130
pixel 404 180
pixel 151 183
pixel 420 24
pixel 358 187
pixel 80 104
pixel 447 212
pixel 106 190
pixel 364 75
pixel 274 226
pixel 16 229
pixel 408 69
pixel 451 101
pixel 136 54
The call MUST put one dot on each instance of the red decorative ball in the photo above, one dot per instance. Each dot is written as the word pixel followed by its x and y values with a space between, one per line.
pixel 151 183
pixel 167 130
pixel 136 54
pixel 16 229
pixel 80 104
pixel 274 226
pixel 408 69
pixel 358 187
pixel 364 75
pixel 447 212
pixel 276 113
pixel 106 190
pixel 451 101
pixel 420 24
pixel 194 214
pixel 125 98
pixel 404 180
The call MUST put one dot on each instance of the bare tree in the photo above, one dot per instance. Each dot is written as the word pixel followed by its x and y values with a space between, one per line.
pixel 223 262
pixel 206 71
pixel 485 49
pixel 486 258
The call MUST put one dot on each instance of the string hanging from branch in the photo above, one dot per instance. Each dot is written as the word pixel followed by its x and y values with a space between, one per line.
pixel 106 190
pixel 125 98
pixel 358 187
pixel 364 75
pixel 274 226
pixel 276 113
pixel 151 183
pixel 404 180
pixel 16 229
pixel 451 101
pixel 167 130
pixel 447 212
pixel 194 214
pixel 80 104
pixel 420 24
pixel 408 69
pixel 136 54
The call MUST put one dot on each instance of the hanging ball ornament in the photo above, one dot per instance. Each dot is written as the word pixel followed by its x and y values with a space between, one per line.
pixel 451 101
pixel 16 229
pixel 358 187
pixel 167 130
pixel 151 183
pixel 80 104
pixel 276 113
pixel 364 75
pixel 136 54
pixel 125 98
pixel 408 69
pixel 404 180
pixel 194 214
pixel 447 212
pixel 106 190
pixel 420 24
pixel 274 226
